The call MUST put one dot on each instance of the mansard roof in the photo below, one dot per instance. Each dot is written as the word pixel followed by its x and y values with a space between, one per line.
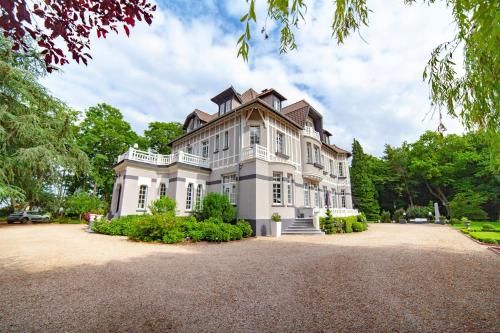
pixel 226 94
pixel 202 115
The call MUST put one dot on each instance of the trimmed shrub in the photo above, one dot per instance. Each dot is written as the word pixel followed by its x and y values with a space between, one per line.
pixel 173 236
pixel 327 223
pixel 488 227
pixel 348 225
pixel 357 227
pixel 418 212
pixel 399 214
pixel 162 205
pixel 385 217
pixel 235 232
pixel 214 232
pixel 196 235
pixel 216 205
pixel 362 218
pixel 150 228
pixel 245 227
pixel 116 227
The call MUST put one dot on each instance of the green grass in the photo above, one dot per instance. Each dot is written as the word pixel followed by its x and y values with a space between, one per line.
pixel 486 236
pixel 477 226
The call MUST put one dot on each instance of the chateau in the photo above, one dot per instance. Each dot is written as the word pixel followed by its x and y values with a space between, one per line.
pixel 264 156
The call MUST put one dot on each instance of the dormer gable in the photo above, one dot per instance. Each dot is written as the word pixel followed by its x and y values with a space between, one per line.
pixel 227 100
pixel 196 119
pixel 273 98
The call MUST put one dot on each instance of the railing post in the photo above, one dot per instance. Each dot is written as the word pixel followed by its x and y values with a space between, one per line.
pixel 180 156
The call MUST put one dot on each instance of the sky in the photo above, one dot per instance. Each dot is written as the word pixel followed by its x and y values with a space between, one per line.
pixel 369 88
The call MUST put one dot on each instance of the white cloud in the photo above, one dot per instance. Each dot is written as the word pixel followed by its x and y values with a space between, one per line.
pixel 369 91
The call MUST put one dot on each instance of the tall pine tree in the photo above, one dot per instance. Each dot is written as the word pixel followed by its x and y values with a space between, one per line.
pixel 364 194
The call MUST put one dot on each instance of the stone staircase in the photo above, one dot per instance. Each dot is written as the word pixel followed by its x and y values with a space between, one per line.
pixel 302 227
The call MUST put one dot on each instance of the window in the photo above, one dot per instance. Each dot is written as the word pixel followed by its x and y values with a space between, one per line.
pixel 280 144
pixel 277 193
pixel 289 184
pixel 204 148
pixel 189 149
pixel 143 192
pixel 228 106
pixel 254 135
pixel 229 187
pixel 118 198
pixel 316 195
pixel 342 198
pixel 334 198
pixel 196 123
pixel 331 167
pixel 277 103
pixel 307 195
pixel 221 109
pixel 226 139
pixel 216 145
pixel 316 155
pixel 163 190
pixel 199 192
pixel 341 169
pixel 309 124
pixel 309 153
pixel 325 194
pixel 189 196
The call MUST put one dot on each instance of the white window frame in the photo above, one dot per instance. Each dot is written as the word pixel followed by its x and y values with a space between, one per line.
pixel 343 199
pixel 216 143
pixel 277 188
pixel 307 195
pixel 254 135
pixel 331 166
pixel 204 149
pixel 143 197
pixel 341 169
pixel 229 187
pixel 163 190
pixel 280 142
pixel 229 105
pixel 334 198
pixel 309 152
pixel 199 195
pixel 189 196
pixel 289 183
pixel 317 155
pixel 277 103
pixel 222 108
pixel 316 196
pixel 226 139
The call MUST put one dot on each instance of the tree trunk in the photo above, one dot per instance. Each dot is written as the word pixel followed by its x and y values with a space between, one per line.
pixel 408 191
pixel 438 193
pixel 94 191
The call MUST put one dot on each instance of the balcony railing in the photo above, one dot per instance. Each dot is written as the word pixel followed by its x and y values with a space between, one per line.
pixel 309 131
pixel 159 159
pixel 260 152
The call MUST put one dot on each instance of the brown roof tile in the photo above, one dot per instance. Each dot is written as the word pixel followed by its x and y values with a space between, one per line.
pixel 205 117
pixel 248 95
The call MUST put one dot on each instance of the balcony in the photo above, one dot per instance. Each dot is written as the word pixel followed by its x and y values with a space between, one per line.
pixel 309 131
pixel 262 153
pixel 159 159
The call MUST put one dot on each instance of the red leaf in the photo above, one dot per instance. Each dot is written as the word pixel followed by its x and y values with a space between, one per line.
pixel 126 30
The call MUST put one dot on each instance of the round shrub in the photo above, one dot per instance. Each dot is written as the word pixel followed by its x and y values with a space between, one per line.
pixel 385 217
pixel 245 227
pixel 357 226
pixel 234 231
pixel 216 205
pixel 488 227
pixel 162 205
pixel 214 232
pixel 196 235
pixel 150 228
pixel 173 236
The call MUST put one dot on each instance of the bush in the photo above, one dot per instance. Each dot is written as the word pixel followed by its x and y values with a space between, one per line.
pixel 418 212
pixel 235 232
pixel 327 223
pixel 196 235
pixel 67 220
pixel 173 236
pixel 385 217
pixel 162 205
pixel 150 228
pixel 82 202
pixel 216 205
pixel 276 217
pixel 348 225
pixel 214 232
pixel 399 214
pixel 357 227
pixel 488 227
pixel 245 227
pixel 362 218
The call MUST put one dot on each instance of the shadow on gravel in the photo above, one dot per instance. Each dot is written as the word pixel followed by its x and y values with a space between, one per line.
pixel 260 286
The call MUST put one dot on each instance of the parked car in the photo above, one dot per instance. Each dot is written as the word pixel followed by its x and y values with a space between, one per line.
pixel 28 216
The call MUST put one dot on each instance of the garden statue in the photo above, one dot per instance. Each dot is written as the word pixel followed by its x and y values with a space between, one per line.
pixel 436 213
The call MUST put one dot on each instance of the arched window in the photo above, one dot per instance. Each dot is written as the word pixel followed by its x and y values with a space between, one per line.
pixel 189 196
pixel 143 193
pixel 163 190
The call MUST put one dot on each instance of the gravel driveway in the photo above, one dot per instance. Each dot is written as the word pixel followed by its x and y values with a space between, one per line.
pixel 401 278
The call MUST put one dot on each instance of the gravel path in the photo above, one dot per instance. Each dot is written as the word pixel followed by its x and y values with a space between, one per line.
pixel 392 278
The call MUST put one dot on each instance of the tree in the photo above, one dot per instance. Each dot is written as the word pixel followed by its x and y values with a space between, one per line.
pixel 364 194
pixel 103 135
pixel 159 134
pixel 51 23
pixel 468 204
pixel 36 141
pixel 83 202
pixel 473 96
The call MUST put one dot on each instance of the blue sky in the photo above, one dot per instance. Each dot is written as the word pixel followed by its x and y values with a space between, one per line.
pixel 370 90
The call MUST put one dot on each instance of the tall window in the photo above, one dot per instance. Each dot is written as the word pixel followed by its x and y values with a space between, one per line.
pixel 254 135
pixel 216 145
pixel 342 198
pixel 341 169
pixel 277 191
pixel 226 139
pixel 289 185
pixel 277 103
pixel 204 148
pixel 307 195
pixel 280 143
pixel 325 196
pixel 229 187
pixel 189 196
pixel 334 198
pixel 228 106
pixel 331 167
pixel 309 124
pixel 221 108
pixel 189 149
pixel 119 191
pixel 199 192
pixel 309 153
pixel 316 195
pixel 163 190
pixel 316 155
pixel 143 192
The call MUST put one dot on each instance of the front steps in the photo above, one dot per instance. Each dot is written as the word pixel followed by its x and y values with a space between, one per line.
pixel 302 227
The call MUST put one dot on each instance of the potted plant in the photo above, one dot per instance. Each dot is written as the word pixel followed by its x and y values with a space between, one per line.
pixel 276 225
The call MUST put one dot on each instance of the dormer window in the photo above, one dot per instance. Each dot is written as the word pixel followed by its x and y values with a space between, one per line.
pixel 277 103
pixel 225 107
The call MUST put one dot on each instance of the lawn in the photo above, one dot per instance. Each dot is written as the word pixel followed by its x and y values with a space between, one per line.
pixel 486 232
pixel 490 237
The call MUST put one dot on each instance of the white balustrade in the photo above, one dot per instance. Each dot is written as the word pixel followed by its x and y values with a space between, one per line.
pixel 159 159
pixel 309 131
